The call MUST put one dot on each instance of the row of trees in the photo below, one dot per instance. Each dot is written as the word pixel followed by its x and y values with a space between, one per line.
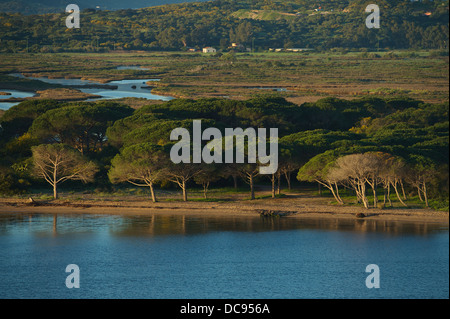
pixel 374 170
pixel 145 165
pixel 215 23
pixel 392 145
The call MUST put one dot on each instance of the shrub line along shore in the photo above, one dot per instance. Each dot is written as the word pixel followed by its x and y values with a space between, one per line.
pixel 282 208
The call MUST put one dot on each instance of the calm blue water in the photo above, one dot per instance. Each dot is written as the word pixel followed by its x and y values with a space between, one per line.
pixel 15 94
pixel 198 257
pixel 125 88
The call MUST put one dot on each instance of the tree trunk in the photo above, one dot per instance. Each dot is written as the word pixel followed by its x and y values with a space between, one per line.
pixel 55 191
pixel 334 195
pixel 152 191
pixel 389 195
pixel 337 194
pixel 205 190
pixel 403 189
pixel 363 195
pixel 419 192
pixel 320 189
pixel 252 189
pixel 375 196
pixel 287 174
pixel 358 197
pixel 373 184
pixel 235 181
pixel 425 194
pixel 366 203
pixel 398 195
pixel 183 187
pixel 273 185
pixel 279 182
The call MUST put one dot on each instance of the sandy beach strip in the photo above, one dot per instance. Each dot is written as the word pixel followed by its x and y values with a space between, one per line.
pixel 285 207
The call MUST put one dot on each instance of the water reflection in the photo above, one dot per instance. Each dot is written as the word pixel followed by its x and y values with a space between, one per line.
pixel 159 225
pixel 198 257
pixel 168 225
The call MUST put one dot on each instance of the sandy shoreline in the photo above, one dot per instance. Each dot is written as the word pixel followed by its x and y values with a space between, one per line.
pixel 287 207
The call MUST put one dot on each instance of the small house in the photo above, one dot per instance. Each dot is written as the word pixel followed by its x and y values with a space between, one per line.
pixel 209 50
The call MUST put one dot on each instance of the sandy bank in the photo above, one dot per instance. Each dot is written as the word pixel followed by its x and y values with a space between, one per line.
pixel 291 207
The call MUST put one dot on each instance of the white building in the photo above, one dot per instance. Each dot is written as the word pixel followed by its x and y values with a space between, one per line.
pixel 209 50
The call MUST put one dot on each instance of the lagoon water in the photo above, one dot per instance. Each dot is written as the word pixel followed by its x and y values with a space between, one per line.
pixel 174 256
pixel 15 94
pixel 125 88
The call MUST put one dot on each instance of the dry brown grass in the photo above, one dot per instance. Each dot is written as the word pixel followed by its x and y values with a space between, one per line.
pixel 64 95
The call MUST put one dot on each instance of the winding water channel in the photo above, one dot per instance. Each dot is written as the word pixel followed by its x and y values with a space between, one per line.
pixel 137 88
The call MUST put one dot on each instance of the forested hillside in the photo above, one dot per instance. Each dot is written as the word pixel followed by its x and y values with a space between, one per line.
pixel 261 24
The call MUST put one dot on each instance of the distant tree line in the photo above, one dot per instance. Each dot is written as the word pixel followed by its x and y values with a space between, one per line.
pixel 405 24
pixel 394 147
